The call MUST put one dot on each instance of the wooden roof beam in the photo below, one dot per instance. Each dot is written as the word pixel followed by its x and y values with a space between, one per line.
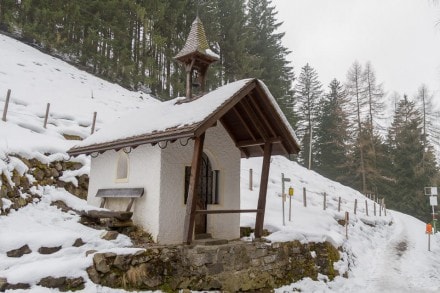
pixel 261 114
pixel 258 142
pixel 246 126
pixel 260 128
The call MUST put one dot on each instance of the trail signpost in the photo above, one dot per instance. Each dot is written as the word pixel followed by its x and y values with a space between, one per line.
pixel 291 191
pixel 429 232
pixel 283 194
pixel 432 192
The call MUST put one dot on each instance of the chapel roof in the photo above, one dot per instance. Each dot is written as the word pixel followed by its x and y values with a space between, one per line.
pixel 245 108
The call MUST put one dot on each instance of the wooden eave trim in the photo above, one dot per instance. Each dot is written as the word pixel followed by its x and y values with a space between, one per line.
pixel 131 142
pixel 225 107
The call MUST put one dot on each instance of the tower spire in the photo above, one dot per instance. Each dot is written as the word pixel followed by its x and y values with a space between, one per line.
pixel 196 56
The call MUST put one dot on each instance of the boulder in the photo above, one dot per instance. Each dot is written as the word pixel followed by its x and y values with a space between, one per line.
pixel 48 250
pixel 19 252
pixel 110 235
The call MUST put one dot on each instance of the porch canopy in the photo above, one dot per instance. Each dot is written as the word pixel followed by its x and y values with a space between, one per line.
pixel 245 108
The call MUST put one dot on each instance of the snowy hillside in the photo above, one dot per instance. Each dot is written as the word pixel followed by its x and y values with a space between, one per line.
pixel 36 79
pixel 382 253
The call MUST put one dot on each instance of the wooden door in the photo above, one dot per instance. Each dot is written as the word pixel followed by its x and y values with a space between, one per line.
pixel 204 194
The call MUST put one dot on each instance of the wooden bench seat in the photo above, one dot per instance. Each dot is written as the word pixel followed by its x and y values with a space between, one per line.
pixel 114 219
pixel 131 193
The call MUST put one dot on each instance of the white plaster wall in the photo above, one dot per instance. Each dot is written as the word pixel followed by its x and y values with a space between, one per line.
pixel 144 171
pixel 224 156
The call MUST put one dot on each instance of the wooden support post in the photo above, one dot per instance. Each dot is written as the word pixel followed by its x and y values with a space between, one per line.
pixel 5 109
pixel 188 228
pixel 47 115
pixel 385 210
pixel 304 197
pixel 325 201
pixel 250 179
pixel 366 207
pixel 346 224
pixel 355 205
pixel 93 122
pixel 339 204
pixel 374 205
pixel 380 210
pixel 263 190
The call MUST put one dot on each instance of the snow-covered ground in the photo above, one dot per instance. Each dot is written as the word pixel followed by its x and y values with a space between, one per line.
pixel 382 253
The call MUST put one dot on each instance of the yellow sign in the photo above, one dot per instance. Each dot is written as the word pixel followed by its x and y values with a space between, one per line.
pixel 291 191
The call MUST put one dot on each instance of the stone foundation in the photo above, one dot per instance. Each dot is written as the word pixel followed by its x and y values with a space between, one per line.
pixel 237 266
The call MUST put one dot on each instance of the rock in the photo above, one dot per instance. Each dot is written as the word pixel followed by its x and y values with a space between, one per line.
pixel 93 275
pixel 74 284
pixel 58 166
pixel 18 286
pixel 51 282
pixel 122 262
pixel 19 252
pixel 78 242
pixel 54 172
pixel 49 250
pixel 100 263
pixel 88 252
pixel 3 284
pixel 38 174
pixel 110 235
pixel 153 281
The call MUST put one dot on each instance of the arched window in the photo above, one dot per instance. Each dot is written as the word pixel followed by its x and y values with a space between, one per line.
pixel 122 167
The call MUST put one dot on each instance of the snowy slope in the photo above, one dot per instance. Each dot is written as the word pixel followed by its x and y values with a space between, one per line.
pixel 36 79
pixel 382 253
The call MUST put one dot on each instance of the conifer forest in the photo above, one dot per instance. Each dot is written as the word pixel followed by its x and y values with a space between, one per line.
pixel 352 131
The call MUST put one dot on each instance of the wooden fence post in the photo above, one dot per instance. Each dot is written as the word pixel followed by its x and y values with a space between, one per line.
pixel 346 224
pixel 250 179
pixel 94 122
pixel 339 204
pixel 355 205
pixel 380 209
pixel 5 109
pixel 385 210
pixel 374 205
pixel 366 207
pixel 325 201
pixel 47 115
pixel 304 197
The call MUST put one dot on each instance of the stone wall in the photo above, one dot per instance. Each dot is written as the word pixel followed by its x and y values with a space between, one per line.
pixel 39 174
pixel 237 266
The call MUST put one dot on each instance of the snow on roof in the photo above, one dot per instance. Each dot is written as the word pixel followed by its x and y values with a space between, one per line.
pixel 162 116
pixel 169 115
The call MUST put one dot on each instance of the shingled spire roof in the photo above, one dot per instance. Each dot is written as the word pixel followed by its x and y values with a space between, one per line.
pixel 196 45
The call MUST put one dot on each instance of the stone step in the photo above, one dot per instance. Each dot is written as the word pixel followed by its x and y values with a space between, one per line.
pixel 203 236
pixel 210 241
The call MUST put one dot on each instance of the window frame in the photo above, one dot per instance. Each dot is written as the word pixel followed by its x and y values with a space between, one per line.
pixel 122 156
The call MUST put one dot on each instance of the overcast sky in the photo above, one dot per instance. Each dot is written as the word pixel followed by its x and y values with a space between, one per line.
pixel 401 38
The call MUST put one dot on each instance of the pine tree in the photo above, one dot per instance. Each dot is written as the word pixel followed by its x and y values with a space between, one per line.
pixel 307 97
pixel 332 135
pixel 356 95
pixel 264 45
pixel 407 151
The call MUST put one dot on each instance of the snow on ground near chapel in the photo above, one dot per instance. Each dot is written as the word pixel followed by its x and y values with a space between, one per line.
pixel 382 253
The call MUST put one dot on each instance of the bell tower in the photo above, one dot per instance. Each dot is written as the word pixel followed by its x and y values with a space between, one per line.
pixel 196 56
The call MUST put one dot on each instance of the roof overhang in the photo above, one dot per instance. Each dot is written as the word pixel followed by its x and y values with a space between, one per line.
pixel 251 117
